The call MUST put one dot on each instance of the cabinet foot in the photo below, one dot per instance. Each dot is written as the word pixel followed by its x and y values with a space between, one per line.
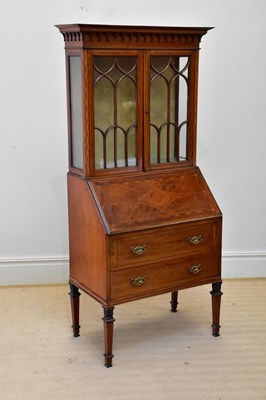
pixel 74 301
pixel 108 322
pixel 174 302
pixel 216 305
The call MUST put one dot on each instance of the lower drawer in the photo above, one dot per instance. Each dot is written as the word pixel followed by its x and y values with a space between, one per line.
pixel 134 282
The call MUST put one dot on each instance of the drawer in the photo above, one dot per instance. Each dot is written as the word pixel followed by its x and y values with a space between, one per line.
pixel 134 282
pixel 161 244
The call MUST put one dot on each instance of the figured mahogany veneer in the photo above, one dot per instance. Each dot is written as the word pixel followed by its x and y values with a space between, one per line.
pixel 162 244
pixel 121 36
pixel 164 277
pixel 145 201
pixel 99 247
pixel 142 219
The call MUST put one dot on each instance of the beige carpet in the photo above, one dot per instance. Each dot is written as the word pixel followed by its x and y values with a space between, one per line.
pixel 158 354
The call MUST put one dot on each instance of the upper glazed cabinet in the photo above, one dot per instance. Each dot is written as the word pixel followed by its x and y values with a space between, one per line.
pixel 131 107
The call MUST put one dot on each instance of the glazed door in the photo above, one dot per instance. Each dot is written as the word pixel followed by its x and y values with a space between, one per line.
pixel 141 106
pixel 170 109
pixel 116 116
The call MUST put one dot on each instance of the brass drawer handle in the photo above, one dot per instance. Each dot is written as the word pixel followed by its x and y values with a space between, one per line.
pixel 139 249
pixel 140 280
pixel 195 269
pixel 195 239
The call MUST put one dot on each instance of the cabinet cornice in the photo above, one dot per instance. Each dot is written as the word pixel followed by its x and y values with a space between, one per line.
pixel 91 36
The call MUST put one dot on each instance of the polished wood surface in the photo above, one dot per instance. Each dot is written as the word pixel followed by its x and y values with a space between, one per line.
pixel 108 325
pixel 85 36
pixel 174 301
pixel 216 305
pixel 88 41
pixel 143 226
pixel 74 301
pixel 162 243
pixel 87 241
pixel 145 201
pixel 164 277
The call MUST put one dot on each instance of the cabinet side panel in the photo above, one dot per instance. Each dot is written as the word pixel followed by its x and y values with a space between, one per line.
pixel 87 240
pixel 217 227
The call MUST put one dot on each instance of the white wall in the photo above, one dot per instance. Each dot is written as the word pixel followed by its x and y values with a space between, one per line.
pixel 33 143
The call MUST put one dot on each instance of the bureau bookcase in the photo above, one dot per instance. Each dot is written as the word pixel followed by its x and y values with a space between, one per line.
pixel 142 219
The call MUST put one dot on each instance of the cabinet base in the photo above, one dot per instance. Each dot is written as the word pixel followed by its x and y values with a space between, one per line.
pixel 108 318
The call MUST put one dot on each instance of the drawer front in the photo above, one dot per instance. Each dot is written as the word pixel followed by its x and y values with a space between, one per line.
pixel 135 282
pixel 166 243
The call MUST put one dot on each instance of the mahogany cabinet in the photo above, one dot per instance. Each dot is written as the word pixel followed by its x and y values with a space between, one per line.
pixel 142 219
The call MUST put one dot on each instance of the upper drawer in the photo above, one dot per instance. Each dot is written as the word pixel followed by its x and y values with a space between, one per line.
pixel 161 244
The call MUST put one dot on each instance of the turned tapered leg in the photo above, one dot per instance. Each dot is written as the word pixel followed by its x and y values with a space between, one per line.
pixel 74 301
pixel 216 305
pixel 174 302
pixel 108 322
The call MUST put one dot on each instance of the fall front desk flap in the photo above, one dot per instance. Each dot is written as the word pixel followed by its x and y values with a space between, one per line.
pixel 148 201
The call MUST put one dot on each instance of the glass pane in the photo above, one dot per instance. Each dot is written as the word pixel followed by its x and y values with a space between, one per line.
pixel 183 143
pixel 158 102
pixel 126 104
pixel 163 144
pixel 121 156
pixel 76 111
pixel 109 158
pixel 115 111
pixel 154 137
pixel 182 106
pixel 168 108
pixel 132 145
pixel 103 104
